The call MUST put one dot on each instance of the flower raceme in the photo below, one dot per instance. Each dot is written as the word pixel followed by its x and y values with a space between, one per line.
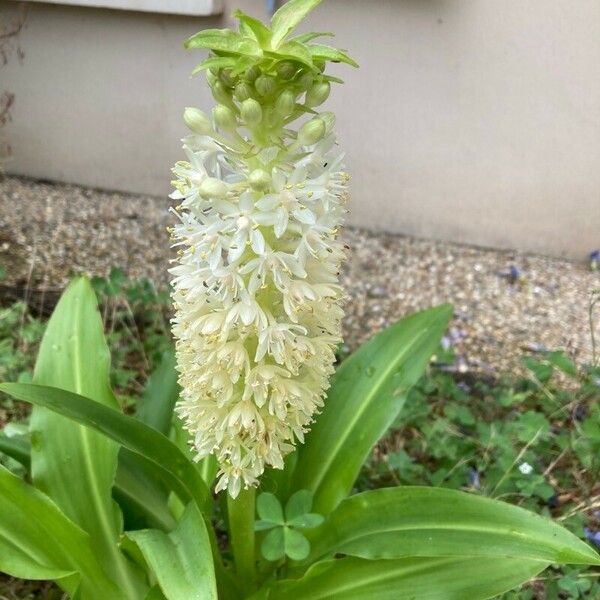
pixel 255 288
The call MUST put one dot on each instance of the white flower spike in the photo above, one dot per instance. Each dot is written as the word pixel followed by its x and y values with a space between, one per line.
pixel 255 288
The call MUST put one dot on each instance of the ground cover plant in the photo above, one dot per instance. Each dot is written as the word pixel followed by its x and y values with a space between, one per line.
pixel 419 449
pixel 251 491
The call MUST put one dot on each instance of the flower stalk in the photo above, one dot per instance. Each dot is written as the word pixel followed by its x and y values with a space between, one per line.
pixel 242 538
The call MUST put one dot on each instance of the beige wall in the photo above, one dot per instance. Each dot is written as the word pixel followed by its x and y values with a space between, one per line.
pixel 470 120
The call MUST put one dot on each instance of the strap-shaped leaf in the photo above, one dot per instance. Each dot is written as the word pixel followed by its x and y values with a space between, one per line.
pixel 409 578
pixel 178 471
pixel 17 448
pixel 135 487
pixel 367 393
pixel 181 560
pixel 37 541
pixel 224 40
pixel 322 52
pixel 424 521
pixel 287 17
pixel 74 356
pixel 141 493
pixel 155 407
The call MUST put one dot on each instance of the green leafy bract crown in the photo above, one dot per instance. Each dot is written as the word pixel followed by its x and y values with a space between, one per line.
pixel 257 50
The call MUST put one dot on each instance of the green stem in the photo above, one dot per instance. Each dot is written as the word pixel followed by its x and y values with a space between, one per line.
pixel 241 536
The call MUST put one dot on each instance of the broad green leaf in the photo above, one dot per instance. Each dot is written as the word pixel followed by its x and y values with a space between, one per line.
pixel 322 52
pixel 181 560
pixel 408 578
pixel 250 26
pixel 287 17
pixel 140 491
pixel 208 466
pixel 155 594
pixel 155 407
pixel 367 393
pixel 225 40
pixel 37 541
pixel 134 485
pixel 17 448
pixel 72 464
pixel 178 471
pixel 424 521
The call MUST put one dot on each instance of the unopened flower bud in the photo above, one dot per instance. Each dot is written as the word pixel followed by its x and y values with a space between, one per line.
pixel 242 91
pixel 226 78
pixel 213 188
pixel 197 121
pixel 211 77
pixel 317 94
pixel 259 180
pixel 329 119
pixel 264 85
pixel 286 69
pixel 220 93
pixel 224 118
pixel 284 105
pixel 251 112
pixel 311 132
pixel 306 81
pixel 252 74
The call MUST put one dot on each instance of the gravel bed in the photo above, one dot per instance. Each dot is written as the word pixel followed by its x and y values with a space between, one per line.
pixel 49 231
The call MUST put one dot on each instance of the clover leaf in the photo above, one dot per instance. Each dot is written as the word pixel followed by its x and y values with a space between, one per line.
pixel 283 538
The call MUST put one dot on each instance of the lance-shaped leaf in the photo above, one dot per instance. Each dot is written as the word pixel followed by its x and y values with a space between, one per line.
pixel 37 541
pixel 141 492
pixel 286 18
pixel 155 407
pixel 72 464
pixel 424 521
pixel 179 473
pixel 411 578
pixel 135 487
pixel 17 448
pixel 181 560
pixel 367 393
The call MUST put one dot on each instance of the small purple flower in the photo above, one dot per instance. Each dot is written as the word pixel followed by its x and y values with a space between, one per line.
pixel 474 479
pixel 592 536
pixel 514 275
pixel 595 260
pixel 464 387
